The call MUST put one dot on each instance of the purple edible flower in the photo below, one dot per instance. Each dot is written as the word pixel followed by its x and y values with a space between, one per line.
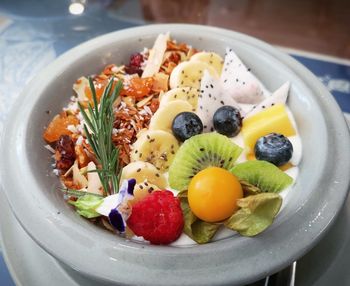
pixel 116 216
pixel 126 191
pixel 117 221
pixel 131 186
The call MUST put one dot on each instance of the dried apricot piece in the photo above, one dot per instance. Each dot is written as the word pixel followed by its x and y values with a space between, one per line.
pixel 137 87
pixel 58 127
pixel 160 82
pixel 99 89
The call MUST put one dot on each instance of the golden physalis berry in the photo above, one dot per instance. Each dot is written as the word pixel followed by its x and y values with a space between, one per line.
pixel 213 194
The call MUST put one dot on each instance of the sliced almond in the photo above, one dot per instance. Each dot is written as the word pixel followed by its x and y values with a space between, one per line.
pixel 78 178
pixel 94 182
pixel 69 171
pixel 144 101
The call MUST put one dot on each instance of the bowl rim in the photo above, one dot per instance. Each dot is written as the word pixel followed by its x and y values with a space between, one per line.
pixel 335 123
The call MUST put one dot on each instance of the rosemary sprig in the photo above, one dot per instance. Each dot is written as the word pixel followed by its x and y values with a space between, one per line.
pixel 77 193
pixel 98 130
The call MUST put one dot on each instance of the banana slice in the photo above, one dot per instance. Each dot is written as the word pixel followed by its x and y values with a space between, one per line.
pixel 190 74
pixel 142 190
pixel 144 172
pixel 163 118
pixel 157 147
pixel 213 59
pixel 188 94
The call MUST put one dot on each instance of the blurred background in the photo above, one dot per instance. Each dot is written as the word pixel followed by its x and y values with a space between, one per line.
pixel 34 32
pixel 321 26
pixel 315 32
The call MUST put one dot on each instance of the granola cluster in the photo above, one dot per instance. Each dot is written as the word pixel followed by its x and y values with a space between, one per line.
pixel 138 101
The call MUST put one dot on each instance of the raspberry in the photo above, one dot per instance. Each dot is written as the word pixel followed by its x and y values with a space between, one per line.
pixel 136 60
pixel 133 70
pixel 158 218
pixel 135 64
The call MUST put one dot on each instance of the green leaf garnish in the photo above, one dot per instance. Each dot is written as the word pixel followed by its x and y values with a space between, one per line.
pixel 98 129
pixel 86 205
pixel 182 194
pixel 200 231
pixel 249 189
pixel 264 175
pixel 256 213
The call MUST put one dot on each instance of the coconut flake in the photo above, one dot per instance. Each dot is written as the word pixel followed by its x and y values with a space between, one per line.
pixel 48 147
pixel 72 106
pixel 72 128
pixel 148 110
pixel 80 140
pixel 156 55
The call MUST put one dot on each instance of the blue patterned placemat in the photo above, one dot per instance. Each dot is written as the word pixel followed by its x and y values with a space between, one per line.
pixel 5 277
pixel 335 76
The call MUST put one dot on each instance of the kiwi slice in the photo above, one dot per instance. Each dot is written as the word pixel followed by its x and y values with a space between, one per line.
pixel 266 176
pixel 199 152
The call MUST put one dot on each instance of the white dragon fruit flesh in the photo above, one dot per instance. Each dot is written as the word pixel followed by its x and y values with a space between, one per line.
pixel 212 97
pixel 278 97
pixel 238 81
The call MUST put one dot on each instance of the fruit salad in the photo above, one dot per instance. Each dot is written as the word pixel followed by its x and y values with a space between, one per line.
pixel 177 146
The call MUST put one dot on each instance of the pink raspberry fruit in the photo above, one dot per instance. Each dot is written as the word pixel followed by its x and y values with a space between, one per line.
pixel 157 218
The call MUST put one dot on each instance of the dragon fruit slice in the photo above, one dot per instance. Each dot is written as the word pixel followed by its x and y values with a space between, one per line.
pixel 211 97
pixel 279 96
pixel 239 83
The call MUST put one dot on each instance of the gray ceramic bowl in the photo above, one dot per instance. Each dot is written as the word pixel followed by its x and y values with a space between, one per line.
pixel 315 200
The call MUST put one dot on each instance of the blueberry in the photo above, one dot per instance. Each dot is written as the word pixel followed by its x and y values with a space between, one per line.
pixel 185 125
pixel 227 121
pixel 274 148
